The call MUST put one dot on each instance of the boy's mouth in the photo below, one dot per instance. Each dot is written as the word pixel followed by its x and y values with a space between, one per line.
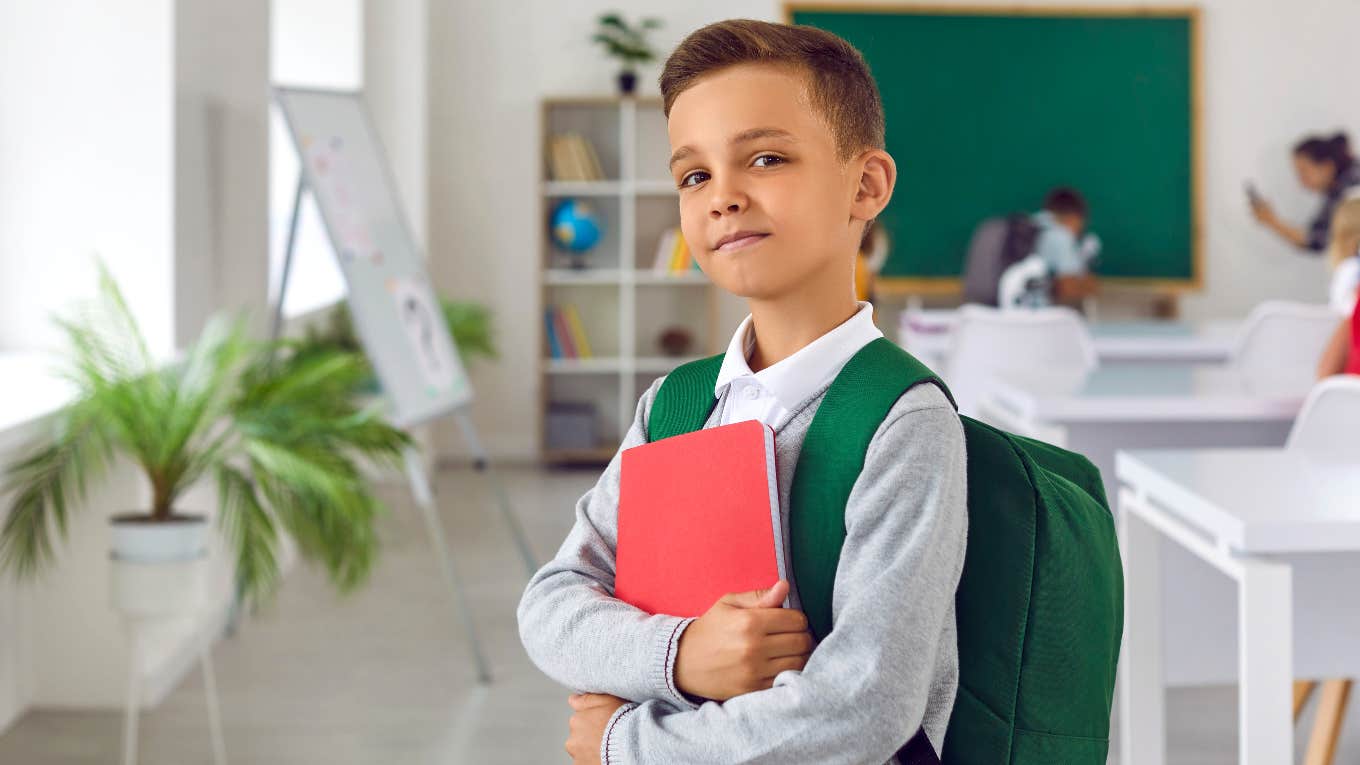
pixel 738 240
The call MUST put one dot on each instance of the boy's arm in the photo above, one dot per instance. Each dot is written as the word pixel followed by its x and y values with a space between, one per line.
pixel 864 690
pixel 571 624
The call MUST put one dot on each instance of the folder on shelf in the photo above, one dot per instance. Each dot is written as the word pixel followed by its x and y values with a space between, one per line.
pixel 698 518
pixel 665 246
pixel 554 349
pixel 563 333
pixel 578 331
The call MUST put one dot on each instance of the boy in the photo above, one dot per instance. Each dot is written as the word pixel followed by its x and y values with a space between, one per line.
pixel 777 138
pixel 1057 269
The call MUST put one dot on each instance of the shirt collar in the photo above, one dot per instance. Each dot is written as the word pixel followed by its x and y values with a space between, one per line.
pixel 793 380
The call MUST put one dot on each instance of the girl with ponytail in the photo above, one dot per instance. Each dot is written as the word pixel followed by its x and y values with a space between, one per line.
pixel 1324 164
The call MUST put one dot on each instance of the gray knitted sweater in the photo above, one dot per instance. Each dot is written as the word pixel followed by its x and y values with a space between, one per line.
pixel 889 666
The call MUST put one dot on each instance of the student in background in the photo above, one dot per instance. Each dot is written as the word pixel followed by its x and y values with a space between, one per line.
pixel 1057 271
pixel 1324 165
pixel 1342 354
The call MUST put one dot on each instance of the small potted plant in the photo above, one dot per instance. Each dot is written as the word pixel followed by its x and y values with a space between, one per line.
pixel 628 44
pixel 277 429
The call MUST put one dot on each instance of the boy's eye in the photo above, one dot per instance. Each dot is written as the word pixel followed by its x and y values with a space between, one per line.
pixel 771 160
pixel 694 178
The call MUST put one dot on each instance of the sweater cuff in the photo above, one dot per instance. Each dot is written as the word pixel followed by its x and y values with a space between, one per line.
pixel 661 674
pixel 611 746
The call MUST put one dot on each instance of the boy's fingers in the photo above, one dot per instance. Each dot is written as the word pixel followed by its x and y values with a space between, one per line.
pixel 767 598
pixel 784 665
pixel 774 597
pixel 583 701
pixel 788 644
pixel 777 620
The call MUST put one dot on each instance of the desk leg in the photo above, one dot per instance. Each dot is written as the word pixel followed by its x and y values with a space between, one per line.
pixel 1265 663
pixel 1142 696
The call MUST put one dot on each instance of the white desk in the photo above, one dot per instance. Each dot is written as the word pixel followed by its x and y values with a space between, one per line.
pixel 1163 406
pixel 1254 515
pixel 1122 406
pixel 929 336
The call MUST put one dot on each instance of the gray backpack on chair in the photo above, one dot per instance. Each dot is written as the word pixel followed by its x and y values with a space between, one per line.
pixel 997 244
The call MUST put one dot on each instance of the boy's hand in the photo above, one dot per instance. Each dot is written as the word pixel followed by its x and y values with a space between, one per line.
pixel 739 646
pixel 592 713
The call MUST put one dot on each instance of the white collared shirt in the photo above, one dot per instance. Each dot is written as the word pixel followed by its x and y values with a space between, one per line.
pixel 771 394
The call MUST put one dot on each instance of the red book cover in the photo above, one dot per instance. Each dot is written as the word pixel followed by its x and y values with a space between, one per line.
pixel 698 518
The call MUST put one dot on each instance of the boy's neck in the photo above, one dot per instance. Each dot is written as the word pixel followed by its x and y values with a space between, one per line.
pixel 787 324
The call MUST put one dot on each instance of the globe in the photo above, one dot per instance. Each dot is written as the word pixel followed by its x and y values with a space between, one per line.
pixel 575 226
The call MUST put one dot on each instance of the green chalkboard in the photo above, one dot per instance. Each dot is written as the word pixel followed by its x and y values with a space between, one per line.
pixel 988 110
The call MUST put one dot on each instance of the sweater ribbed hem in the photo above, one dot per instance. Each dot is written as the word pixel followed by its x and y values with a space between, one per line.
pixel 611 746
pixel 661 673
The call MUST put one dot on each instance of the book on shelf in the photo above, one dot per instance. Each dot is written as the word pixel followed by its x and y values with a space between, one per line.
pixel 554 349
pixel 566 333
pixel 571 157
pixel 577 329
pixel 673 255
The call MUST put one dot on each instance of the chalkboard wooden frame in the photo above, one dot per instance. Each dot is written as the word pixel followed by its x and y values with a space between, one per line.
pixel 908 285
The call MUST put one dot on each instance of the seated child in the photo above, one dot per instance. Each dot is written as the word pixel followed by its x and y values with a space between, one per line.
pixel 777 134
pixel 1058 269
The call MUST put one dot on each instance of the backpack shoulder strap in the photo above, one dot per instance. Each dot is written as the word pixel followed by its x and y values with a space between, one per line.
pixel 685 400
pixel 831 460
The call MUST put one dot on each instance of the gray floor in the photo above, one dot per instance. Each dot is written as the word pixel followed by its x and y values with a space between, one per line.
pixel 384 676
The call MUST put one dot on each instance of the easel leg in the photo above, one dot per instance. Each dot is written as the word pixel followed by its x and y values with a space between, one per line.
pixel 424 496
pixel 483 464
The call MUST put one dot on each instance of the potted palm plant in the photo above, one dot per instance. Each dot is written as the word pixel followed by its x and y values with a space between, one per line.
pixel 277 429
pixel 628 44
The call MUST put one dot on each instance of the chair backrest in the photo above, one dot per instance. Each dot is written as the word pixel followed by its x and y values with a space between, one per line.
pixel 1329 423
pixel 984 262
pixel 1044 349
pixel 1280 345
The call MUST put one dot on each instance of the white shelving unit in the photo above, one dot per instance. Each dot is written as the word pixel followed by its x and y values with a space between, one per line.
pixel 623 303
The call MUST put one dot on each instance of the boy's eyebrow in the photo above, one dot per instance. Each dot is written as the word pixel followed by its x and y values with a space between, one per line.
pixel 745 136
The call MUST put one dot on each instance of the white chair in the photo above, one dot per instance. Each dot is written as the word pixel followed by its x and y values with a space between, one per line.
pixel 1328 425
pixel 1278 351
pixel 1047 350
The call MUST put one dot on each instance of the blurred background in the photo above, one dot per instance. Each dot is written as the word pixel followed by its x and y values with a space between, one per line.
pixel 186 332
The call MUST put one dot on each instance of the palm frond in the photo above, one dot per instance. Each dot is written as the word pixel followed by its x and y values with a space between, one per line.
pixel 47 484
pixel 250 532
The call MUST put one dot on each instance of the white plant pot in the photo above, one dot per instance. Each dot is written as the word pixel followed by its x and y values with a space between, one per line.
pixel 159 569
pixel 153 590
pixel 136 541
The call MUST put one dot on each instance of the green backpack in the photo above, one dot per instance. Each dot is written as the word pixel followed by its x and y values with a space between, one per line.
pixel 1040 602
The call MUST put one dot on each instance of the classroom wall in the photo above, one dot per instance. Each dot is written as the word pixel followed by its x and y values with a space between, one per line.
pixel 1270 74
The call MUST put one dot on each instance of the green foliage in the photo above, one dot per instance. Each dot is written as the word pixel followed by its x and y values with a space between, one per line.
pixel 470 324
pixel 624 41
pixel 278 429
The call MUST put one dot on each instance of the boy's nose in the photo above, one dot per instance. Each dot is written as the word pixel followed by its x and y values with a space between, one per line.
pixel 727 203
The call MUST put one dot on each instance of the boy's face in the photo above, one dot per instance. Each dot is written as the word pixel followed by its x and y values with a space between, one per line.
pixel 753 158
pixel 1072 222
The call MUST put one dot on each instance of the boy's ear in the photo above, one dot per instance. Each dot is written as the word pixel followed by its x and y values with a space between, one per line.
pixel 877 177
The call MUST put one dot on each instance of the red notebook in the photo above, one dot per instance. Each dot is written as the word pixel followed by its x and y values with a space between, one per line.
pixel 698 518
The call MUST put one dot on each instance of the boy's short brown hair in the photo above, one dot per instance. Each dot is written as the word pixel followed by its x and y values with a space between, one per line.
pixel 839 83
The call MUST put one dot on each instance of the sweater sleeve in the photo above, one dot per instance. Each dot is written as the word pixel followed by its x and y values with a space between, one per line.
pixel 865 689
pixel 573 627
